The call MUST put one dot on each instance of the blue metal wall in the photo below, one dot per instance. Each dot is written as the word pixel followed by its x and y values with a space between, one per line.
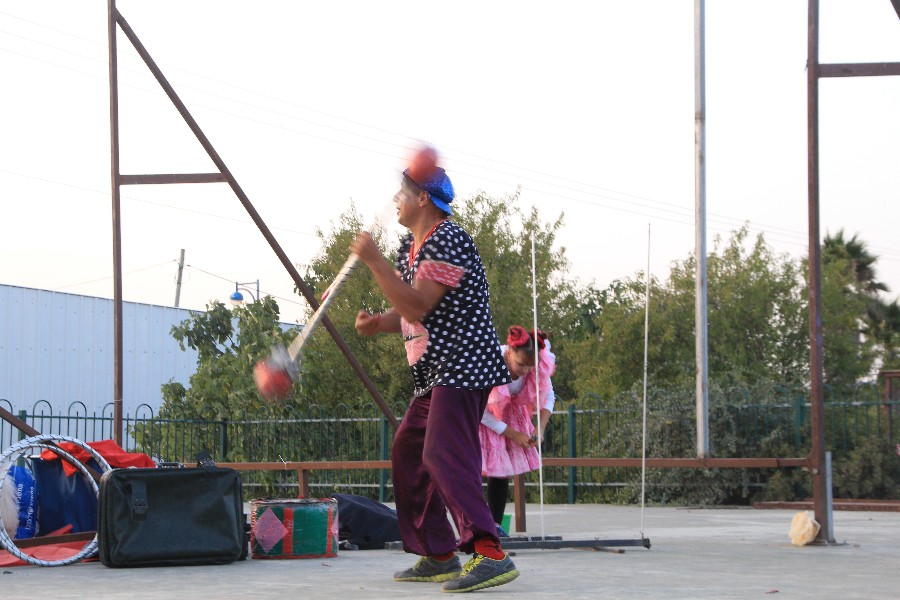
pixel 58 348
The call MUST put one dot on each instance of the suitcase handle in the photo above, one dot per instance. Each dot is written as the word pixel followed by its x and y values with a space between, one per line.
pixel 206 462
pixel 139 505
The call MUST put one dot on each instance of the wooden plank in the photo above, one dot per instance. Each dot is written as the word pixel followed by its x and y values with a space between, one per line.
pixel 339 465
pixel 519 502
pixel 848 505
pixel 46 540
pixel 688 463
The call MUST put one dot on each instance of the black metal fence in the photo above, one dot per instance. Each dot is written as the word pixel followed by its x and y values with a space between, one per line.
pixel 775 425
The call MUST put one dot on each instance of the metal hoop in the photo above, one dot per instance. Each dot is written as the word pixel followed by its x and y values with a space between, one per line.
pixel 47 441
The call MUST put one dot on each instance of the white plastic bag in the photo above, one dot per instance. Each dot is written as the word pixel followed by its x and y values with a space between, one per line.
pixel 804 529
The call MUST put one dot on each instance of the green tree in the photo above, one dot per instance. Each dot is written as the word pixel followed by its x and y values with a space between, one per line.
pixel 848 354
pixel 610 351
pixel 853 268
pixel 859 262
pixel 228 342
pixel 327 378
pixel 755 314
pixel 887 335
pixel 758 321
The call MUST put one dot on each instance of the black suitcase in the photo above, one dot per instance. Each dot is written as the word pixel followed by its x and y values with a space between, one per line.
pixel 166 516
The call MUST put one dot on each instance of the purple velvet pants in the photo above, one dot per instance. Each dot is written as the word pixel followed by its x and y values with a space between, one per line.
pixel 436 462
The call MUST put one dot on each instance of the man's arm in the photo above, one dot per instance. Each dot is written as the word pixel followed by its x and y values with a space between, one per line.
pixel 369 324
pixel 413 302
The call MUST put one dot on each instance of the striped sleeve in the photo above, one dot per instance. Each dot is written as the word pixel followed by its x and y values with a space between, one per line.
pixel 441 272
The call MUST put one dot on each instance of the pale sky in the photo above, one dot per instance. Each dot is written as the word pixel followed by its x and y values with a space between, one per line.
pixel 588 107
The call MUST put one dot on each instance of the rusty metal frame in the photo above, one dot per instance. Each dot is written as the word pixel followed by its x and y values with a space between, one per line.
pixel 815 460
pixel 223 175
pixel 815 71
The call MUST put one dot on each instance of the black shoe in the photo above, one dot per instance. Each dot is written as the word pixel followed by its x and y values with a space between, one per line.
pixel 431 569
pixel 482 572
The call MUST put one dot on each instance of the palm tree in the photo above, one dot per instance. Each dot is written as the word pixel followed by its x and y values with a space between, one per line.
pixel 861 261
pixel 888 335
pixel 882 320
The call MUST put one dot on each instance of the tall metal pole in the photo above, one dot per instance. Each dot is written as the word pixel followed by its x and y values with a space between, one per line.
pixel 816 364
pixel 178 282
pixel 116 223
pixel 700 282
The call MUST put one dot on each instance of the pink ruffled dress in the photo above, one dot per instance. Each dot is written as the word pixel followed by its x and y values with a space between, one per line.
pixel 501 457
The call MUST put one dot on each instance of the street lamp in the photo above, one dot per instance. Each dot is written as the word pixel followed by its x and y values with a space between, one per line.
pixel 237 298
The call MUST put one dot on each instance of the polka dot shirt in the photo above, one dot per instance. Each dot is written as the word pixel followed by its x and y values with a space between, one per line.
pixel 456 345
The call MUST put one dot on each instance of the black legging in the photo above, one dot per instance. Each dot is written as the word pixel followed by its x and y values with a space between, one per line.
pixel 497 491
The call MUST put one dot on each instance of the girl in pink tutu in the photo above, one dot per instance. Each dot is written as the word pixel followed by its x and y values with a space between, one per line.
pixel 508 436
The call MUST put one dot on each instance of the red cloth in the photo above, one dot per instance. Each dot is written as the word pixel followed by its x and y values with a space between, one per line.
pixel 49 551
pixel 114 454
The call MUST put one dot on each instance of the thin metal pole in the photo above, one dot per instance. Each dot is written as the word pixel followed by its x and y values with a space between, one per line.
pixel 644 411
pixel 829 505
pixel 816 363
pixel 537 380
pixel 116 223
pixel 700 281
pixel 178 281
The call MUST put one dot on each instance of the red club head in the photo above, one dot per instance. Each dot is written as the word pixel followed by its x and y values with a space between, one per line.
pixel 423 165
pixel 271 381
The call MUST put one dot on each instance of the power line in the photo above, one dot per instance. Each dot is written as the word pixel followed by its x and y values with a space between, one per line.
pixel 402 147
pixel 230 280
pixel 533 175
pixel 99 279
pixel 150 202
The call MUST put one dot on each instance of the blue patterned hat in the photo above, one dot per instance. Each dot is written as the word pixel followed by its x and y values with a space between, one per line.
pixel 438 186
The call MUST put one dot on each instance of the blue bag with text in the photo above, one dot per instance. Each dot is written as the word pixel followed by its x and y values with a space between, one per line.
pixel 23 495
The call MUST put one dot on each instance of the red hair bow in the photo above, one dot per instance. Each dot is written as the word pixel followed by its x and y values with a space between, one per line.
pixel 540 336
pixel 517 337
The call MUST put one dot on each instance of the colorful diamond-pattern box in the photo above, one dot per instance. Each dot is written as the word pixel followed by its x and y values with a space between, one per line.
pixel 295 528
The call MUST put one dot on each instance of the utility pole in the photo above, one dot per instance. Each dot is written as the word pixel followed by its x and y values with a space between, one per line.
pixel 178 281
pixel 700 281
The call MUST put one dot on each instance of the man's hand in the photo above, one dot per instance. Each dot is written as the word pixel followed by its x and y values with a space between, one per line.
pixel 367 324
pixel 366 248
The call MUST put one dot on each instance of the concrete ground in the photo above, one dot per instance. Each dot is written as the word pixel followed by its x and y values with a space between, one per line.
pixel 695 553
